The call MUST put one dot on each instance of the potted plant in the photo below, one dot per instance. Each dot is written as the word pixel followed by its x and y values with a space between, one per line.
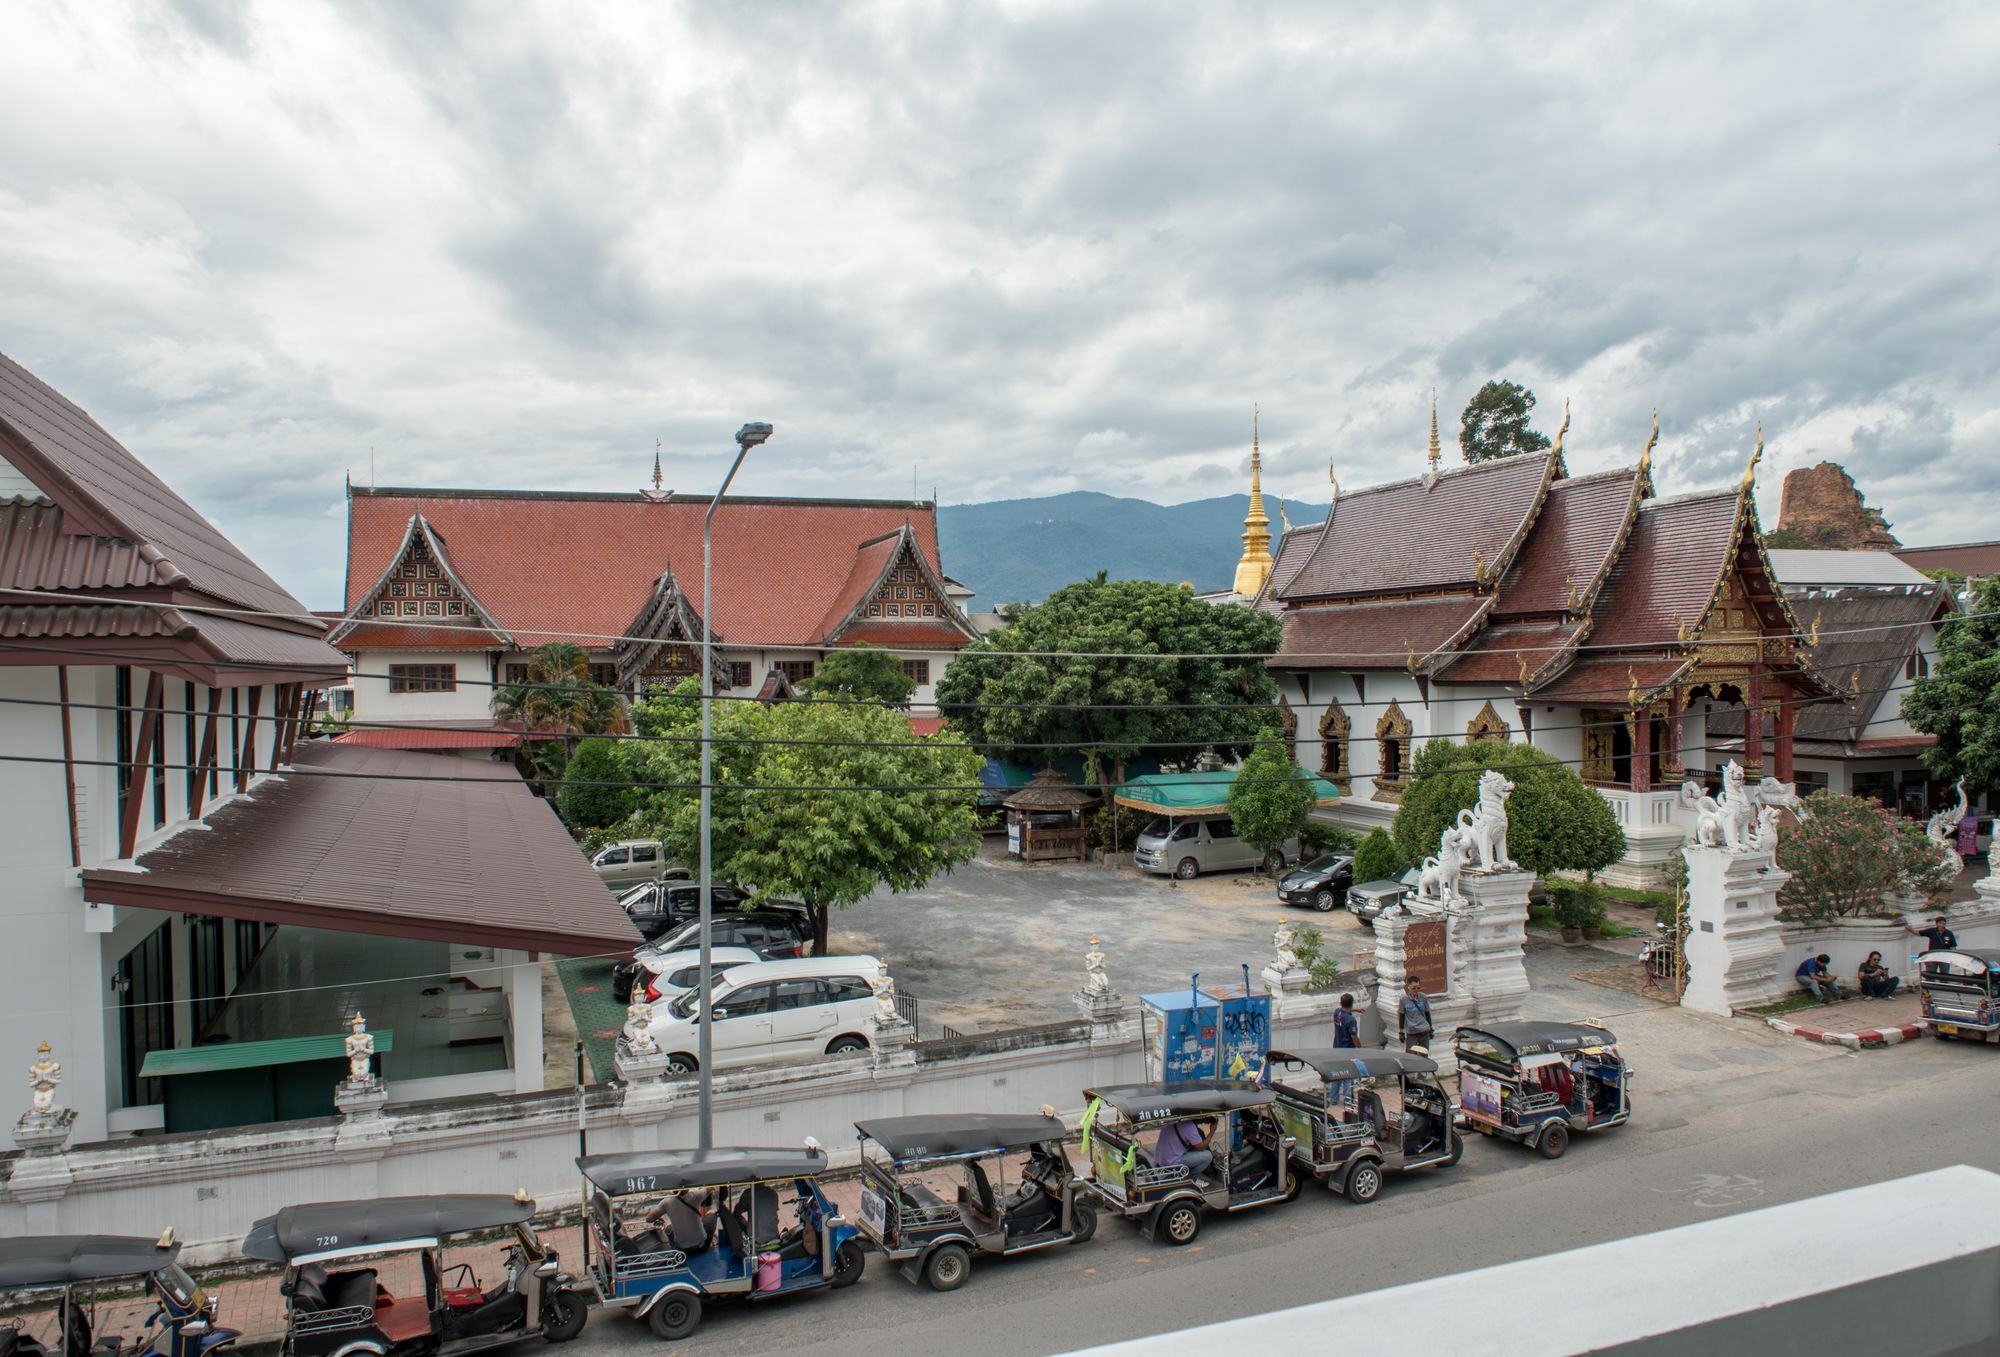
pixel 1568 903
pixel 1594 910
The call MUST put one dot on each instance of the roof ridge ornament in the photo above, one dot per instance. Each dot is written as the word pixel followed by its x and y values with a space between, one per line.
pixel 1563 430
pixel 1646 457
pixel 1435 455
pixel 1521 656
pixel 1750 471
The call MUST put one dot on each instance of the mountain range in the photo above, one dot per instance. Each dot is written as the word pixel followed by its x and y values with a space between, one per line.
pixel 1021 550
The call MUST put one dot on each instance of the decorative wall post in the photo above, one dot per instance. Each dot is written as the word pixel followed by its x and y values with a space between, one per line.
pixel 361 1094
pixel 1097 1000
pixel 1734 939
pixel 42 1172
pixel 889 1035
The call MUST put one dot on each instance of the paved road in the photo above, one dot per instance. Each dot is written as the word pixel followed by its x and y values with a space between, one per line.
pixel 1732 1117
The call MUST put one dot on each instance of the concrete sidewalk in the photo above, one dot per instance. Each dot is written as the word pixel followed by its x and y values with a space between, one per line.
pixel 1857 1024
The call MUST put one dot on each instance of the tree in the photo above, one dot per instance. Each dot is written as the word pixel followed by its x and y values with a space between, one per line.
pixel 806 797
pixel 1555 822
pixel 1270 799
pixel 1495 423
pixel 587 807
pixel 1052 679
pixel 558 702
pixel 1378 858
pixel 862 673
pixel 1851 855
pixel 1959 700
pixel 1786 539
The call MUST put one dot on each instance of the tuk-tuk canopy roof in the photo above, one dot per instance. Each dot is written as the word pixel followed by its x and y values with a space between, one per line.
pixel 301 1233
pixel 61 1259
pixel 1141 1101
pixel 1959 961
pixel 722 1166
pixel 1351 1062
pixel 1200 793
pixel 959 1133
pixel 1514 1040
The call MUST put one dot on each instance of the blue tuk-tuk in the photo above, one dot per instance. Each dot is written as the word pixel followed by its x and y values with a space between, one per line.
pixel 71 1266
pixel 1537 1083
pixel 665 1231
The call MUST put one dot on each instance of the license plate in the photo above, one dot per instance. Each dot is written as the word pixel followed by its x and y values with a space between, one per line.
pixel 1947 1029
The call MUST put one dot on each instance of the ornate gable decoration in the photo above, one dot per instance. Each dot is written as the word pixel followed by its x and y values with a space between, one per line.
pixel 662 645
pixel 907 591
pixel 420 587
pixel 1486 726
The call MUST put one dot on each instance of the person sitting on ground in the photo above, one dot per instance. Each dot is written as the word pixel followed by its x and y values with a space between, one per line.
pixel 1816 980
pixel 1876 982
pixel 1185 1143
pixel 1942 939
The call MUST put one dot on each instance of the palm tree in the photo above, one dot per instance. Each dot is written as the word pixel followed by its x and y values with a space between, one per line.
pixel 557 699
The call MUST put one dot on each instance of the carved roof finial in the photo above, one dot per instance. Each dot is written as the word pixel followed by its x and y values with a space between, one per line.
pixel 1522 658
pixel 1283 517
pixel 1564 429
pixel 1680 629
pixel 1812 637
pixel 1409 655
pixel 1646 457
pixel 658 479
pixel 1854 683
pixel 1750 471
pixel 1436 454
pixel 1632 692
pixel 1569 585
pixel 1479 567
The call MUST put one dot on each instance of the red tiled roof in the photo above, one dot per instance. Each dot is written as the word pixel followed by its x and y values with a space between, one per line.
pixel 1495 654
pixel 107 492
pixel 1374 635
pixel 1607 681
pixel 429 737
pixel 865 576
pixel 387 636
pixel 1973 559
pixel 29 621
pixel 579 567
pixel 1571 544
pixel 1668 572
pixel 926 725
pixel 385 842
pixel 918 635
pixel 1408 536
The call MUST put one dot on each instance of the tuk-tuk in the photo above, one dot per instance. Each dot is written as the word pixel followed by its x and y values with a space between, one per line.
pixel 933 1235
pixel 69 1264
pixel 663 1234
pixel 1356 1114
pixel 1958 994
pixel 1540 1082
pixel 1125 1130
pixel 345 1308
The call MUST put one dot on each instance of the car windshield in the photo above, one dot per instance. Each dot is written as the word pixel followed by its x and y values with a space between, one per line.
pixel 1158 829
pixel 684 1006
pixel 1325 862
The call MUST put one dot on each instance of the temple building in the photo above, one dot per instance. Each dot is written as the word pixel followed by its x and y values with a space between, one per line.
pixel 448 592
pixel 1510 600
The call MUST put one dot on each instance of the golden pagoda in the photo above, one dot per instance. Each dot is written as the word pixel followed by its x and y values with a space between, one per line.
pixel 1255 567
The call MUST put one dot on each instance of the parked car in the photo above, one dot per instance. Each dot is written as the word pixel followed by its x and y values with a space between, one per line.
pixel 1187 848
pixel 773 1010
pixel 659 906
pixel 1368 900
pixel 632 861
pixel 668 975
pixel 774 930
pixel 1321 883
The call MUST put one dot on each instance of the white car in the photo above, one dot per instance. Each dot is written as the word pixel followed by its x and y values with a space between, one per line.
pixel 668 975
pixel 773 1010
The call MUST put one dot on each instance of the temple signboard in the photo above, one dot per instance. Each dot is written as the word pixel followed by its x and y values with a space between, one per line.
pixel 1425 956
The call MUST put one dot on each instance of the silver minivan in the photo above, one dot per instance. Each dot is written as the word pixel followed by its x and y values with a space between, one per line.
pixel 1187 848
pixel 634 862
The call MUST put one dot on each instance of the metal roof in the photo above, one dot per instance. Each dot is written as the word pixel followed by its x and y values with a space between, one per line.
pixel 60 1259
pixel 385 842
pixel 1349 1062
pixel 1141 1102
pixel 673 1170
pixel 253 1055
pixel 319 1228
pixel 953 1133
pixel 1796 568
pixel 1516 1039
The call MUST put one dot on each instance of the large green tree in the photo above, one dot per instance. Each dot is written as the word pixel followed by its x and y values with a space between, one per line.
pixel 1495 423
pixel 557 705
pixel 1555 822
pixel 817 801
pixel 588 799
pixel 1270 799
pixel 1959 700
pixel 862 673
pixel 1059 678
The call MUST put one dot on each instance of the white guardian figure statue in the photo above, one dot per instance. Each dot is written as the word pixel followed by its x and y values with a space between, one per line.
pixel 638 1031
pixel 1942 831
pixel 1095 980
pixel 43 1076
pixel 360 1047
pixel 1437 878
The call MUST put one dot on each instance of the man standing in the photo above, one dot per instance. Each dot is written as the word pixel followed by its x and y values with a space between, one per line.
pixel 1346 1026
pixel 1942 938
pixel 1413 1017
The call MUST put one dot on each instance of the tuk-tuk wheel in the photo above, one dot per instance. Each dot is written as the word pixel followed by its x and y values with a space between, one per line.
pixel 676 1316
pixel 947 1267
pixel 1180 1223
pixel 849 1260
pixel 1457 1148
pixel 1364 1183
pixel 1554 1141
pixel 1295 1183
pixel 563 1316
pixel 1082 1221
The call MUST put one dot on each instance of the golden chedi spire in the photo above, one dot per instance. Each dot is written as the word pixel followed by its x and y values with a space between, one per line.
pixel 1255 567
pixel 1436 453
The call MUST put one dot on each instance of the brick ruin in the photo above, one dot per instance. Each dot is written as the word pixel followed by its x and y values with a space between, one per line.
pixel 1823 510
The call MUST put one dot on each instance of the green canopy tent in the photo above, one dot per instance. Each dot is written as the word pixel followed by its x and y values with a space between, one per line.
pixel 1175 794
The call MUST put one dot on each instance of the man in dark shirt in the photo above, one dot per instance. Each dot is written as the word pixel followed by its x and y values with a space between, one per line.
pixel 1817 980
pixel 1942 938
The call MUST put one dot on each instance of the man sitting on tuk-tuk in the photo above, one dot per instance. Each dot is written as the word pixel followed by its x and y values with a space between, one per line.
pixel 1186 1143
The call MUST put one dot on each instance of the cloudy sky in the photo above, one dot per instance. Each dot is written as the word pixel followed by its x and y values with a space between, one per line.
pixel 1000 251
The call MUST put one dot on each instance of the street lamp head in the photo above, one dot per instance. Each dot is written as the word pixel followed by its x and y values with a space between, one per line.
pixel 750 435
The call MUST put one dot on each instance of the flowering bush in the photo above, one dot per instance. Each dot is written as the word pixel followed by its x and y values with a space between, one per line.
pixel 1849 856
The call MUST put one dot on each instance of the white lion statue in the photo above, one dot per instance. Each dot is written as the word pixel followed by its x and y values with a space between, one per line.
pixel 884 988
pixel 1484 826
pixel 1942 831
pixel 1437 879
pixel 1733 821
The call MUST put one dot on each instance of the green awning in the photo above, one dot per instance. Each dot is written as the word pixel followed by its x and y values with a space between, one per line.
pixel 248 1055
pixel 1199 793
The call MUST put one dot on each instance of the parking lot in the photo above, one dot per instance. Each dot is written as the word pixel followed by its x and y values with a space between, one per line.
pixel 999 943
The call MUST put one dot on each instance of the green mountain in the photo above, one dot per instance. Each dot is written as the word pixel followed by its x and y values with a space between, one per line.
pixel 1021 550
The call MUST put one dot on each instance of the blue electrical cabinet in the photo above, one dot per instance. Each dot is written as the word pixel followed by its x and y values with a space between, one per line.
pixel 1244 1036
pixel 1179 1031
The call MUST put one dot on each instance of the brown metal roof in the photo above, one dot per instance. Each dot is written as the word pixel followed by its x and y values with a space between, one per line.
pixel 1612 681
pixel 1373 635
pixel 1669 571
pixel 1049 790
pixel 80 621
pixel 1975 560
pixel 1496 653
pixel 35 553
pixel 1413 536
pixel 1571 546
pixel 459 852
pixel 107 492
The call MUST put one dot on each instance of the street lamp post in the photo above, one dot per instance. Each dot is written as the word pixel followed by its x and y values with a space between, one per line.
pixel 747 437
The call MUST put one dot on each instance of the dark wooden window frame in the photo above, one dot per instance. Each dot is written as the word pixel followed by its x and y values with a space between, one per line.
pixel 423 678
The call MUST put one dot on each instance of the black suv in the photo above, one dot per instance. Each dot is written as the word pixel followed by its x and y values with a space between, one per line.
pixel 1321 883
pixel 775 930
pixel 660 906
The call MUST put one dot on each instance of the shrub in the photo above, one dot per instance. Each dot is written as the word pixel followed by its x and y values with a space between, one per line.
pixel 1577 904
pixel 1378 858
pixel 1849 856
pixel 1310 945
pixel 587 807
pixel 1319 837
